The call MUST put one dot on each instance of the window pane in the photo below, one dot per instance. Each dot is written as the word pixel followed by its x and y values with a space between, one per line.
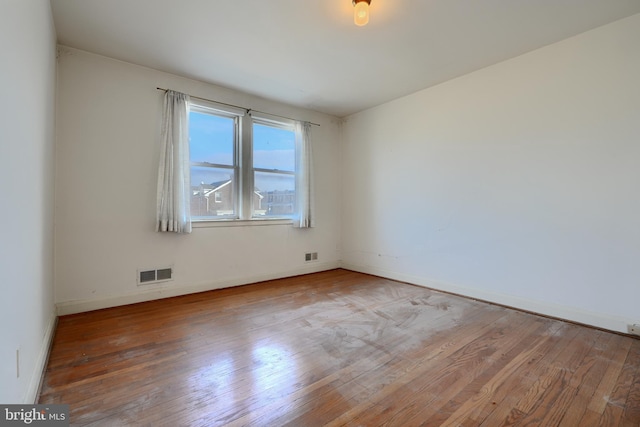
pixel 212 192
pixel 274 195
pixel 273 148
pixel 211 138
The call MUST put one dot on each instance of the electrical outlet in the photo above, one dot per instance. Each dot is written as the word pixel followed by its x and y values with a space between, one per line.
pixel 634 329
pixel 311 256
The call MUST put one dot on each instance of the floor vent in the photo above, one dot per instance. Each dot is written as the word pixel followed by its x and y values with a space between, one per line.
pixel 146 277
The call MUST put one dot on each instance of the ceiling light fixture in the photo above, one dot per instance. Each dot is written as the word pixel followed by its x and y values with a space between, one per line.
pixel 361 12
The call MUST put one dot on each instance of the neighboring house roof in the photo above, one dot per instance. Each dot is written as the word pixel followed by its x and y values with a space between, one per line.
pixel 215 186
pixel 207 189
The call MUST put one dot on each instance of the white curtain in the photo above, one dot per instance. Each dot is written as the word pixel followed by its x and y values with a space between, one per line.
pixel 173 202
pixel 304 186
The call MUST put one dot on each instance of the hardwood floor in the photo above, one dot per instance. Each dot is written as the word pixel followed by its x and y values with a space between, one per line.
pixel 338 348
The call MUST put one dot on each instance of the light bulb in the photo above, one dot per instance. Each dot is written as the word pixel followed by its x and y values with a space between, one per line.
pixel 361 13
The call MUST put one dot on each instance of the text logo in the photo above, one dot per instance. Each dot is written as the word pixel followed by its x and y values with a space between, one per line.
pixel 34 415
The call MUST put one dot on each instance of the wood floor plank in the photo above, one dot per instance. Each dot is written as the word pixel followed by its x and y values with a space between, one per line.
pixel 431 357
pixel 631 408
pixel 610 378
pixel 519 390
pixel 547 401
pixel 337 348
pixel 586 378
pixel 546 338
pixel 426 394
pixel 484 395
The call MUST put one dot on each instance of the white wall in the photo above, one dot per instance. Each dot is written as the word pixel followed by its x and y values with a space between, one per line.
pixel 517 183
pixel 106 161
pixel 28 70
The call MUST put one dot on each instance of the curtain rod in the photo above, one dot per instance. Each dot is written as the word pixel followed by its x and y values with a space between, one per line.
pixel 248 110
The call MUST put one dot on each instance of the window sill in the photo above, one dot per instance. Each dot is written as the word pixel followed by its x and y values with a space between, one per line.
pixel 207 223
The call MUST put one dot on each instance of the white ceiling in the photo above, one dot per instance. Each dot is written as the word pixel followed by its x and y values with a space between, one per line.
pixel 310 54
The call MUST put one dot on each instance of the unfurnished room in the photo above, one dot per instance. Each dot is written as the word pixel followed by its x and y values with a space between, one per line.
pixel 320 213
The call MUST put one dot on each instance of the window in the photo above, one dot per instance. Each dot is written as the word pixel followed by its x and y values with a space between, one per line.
pixel 213 147
pixel 274 169
pixel 242 167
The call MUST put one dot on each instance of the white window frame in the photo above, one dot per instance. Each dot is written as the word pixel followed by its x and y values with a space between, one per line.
pixel 267 120
pixel 208 107
pixel 243 171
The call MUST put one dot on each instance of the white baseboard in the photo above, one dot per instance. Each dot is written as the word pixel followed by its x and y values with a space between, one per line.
pixel 572 314
pixel 79 306
pixel 31 395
